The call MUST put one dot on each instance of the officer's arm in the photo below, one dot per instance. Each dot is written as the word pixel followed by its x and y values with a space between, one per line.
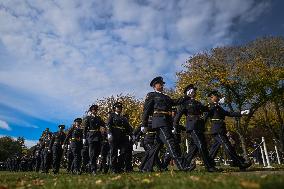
pixel 68 135
pixel 52 141
pixel 109 124
pixel 180 100
pixel 148 109
pixel 181 110
pixel 85 126
pixel 231 114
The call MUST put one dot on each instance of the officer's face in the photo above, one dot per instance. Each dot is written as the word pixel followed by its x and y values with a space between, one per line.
pixel 159 87
pixel 118 109
pixel 77 124
pixel 94 111
pixel 214 98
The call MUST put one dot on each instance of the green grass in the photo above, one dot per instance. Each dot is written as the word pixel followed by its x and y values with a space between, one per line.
pixel 252 179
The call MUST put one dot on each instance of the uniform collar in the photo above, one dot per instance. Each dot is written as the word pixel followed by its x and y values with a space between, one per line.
pixel 159 92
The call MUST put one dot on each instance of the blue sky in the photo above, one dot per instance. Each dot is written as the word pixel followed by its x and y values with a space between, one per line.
pixel 57 57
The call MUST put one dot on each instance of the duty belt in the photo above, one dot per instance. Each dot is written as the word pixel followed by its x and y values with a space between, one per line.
pixel 194 116
pixel 93 130
pixel 150 132
pixel 118 127
pixel 75 139
pixel 217 120
pixel 163 112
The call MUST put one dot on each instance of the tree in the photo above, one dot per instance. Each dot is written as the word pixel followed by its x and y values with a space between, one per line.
pixel 248 76
pixel 132 107
pixel 9 147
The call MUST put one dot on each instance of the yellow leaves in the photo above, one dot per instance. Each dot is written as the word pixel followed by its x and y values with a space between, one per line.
pixel 99 181
pixel 194 178
pixel 249 184
pixel 146 181
pixel 116 178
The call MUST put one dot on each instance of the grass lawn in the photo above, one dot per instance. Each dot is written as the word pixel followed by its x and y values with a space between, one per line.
pixel 231 178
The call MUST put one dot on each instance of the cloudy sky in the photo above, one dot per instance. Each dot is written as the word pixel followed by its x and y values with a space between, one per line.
pixel 59 56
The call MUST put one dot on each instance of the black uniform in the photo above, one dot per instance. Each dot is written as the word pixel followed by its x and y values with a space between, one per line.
pixel 37 155
pixel 75 134
pixel 177 136
pixel 93 135
pixel 118 127
pixel 152 146
pixel 105 154
pixel 160 106
pixel 195 127
pixel 57 151
pixel 217 116
pixel 46 153
pixel 85 158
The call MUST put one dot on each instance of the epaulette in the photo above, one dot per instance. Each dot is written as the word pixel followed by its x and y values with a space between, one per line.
pixel 149 95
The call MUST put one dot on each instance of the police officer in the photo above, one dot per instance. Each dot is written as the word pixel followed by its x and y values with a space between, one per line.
pixel 46 153
pixel 37 155
pixel 160 105
pixel 57 148
pixel 92 124
pixel 75 134
pixel 118 128
pixel 217 116
pixel 195 126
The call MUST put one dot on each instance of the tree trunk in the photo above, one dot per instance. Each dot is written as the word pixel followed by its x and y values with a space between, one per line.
pixel 242 137
pixel 280 120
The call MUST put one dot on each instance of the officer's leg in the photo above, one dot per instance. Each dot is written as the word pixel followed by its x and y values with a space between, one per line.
pixel 104 155
pixel 229 149
pixel 165 134
pixel 192 149
pixel 215 147
pixel 97 147
pixel 113 156
pixel 92 156
pixel 85 158
pixel 54 157
pixel 128 158
pixel 200 142
pixel 69 159
pixel 122 155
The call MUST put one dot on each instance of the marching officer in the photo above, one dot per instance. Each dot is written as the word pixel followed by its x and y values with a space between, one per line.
pixel 160 106
pixel 195 126
pixel 118 128
pixel 46 153
pixel 57 148
pixel 37 155
pixel 92 134
pixel 75 134
pixel 217 116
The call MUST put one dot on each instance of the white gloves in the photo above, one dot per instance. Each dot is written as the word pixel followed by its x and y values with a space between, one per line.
pixel 222 100
pixel 245 112
pixel 174 131
pixel 62 146
pixel 143 130
pixel 109 137
pixel 84 141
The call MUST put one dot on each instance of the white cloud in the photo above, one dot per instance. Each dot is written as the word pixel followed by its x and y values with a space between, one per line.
pixel 65 54
pixel 4 125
